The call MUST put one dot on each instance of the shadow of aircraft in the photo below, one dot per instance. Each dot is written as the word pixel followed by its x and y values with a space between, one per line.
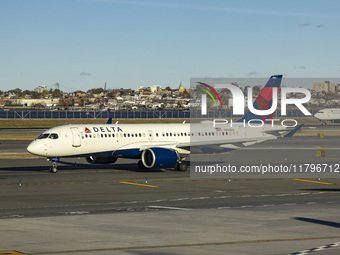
pixel 323 189
pixel 69 166
pixel 321 222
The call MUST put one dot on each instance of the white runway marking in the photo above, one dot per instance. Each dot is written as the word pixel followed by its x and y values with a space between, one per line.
pixel 171 208
pixel 320 248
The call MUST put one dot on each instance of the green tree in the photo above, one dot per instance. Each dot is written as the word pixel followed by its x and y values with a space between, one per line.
pixel 36 95
pixel 27 92
pixel 17 92
pixel 57 93
pixel 44 94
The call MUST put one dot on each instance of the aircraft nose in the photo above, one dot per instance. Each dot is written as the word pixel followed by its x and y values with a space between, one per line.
pixel 33 148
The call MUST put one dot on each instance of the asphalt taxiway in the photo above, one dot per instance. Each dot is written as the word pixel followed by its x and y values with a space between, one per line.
pixel 106 209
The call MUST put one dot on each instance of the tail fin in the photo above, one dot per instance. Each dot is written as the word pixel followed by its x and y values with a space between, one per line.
pixel 109 121
pixel 264 100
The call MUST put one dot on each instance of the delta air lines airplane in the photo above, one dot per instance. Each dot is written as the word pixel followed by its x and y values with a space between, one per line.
pixel 331 114
pixel 156 145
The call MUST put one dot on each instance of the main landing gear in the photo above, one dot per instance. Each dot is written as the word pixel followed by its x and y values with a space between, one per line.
pixel 181 166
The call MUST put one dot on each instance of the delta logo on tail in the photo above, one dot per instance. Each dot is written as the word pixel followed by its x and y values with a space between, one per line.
pixel 87 131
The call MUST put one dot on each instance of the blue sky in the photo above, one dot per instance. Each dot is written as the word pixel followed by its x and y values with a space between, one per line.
pixel 84 43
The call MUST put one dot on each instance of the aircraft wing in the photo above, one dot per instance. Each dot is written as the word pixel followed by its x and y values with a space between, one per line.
pixel 144 146
pixel 225 141
pixel 276 132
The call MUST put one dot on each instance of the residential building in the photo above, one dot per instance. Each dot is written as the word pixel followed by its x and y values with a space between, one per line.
pixel 324 86
pixel 41 88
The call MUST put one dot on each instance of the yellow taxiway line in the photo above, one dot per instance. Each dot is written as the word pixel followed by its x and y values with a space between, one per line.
pixel 302 180
pixel 319 147
pixel 138 184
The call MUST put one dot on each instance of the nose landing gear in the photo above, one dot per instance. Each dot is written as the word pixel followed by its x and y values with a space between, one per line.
pixel 54 168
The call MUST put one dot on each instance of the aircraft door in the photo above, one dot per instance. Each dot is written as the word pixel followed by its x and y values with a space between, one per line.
pixel 150 135
pixel 76 137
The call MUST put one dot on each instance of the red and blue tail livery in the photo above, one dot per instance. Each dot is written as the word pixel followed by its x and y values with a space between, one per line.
pixel 264 101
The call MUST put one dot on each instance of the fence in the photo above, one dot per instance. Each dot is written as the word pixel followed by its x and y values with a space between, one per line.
pixel 33 114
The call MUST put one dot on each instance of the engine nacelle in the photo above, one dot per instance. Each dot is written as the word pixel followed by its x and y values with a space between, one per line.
pixel 159 157
pixel 100 160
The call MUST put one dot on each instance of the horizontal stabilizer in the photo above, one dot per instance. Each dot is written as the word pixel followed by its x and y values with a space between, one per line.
pixel 291 133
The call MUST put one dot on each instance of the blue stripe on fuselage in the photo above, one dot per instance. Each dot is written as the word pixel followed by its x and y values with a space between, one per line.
pixel 128 153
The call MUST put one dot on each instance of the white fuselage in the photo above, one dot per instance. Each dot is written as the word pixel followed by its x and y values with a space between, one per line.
pixel 129 140
pixel 332 114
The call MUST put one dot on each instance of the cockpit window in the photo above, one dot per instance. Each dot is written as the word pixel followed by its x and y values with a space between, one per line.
pixel 43 136
pixel 53 136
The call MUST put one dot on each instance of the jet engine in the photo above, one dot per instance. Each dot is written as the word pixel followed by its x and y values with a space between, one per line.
pixel 159 157
pixel 100 160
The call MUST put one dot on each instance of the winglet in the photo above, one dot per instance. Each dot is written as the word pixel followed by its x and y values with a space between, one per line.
pixel 109 121
pixel 292 132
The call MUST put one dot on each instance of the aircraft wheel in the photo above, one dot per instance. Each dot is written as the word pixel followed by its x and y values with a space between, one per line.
pixel 53 169
pixel 181 167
